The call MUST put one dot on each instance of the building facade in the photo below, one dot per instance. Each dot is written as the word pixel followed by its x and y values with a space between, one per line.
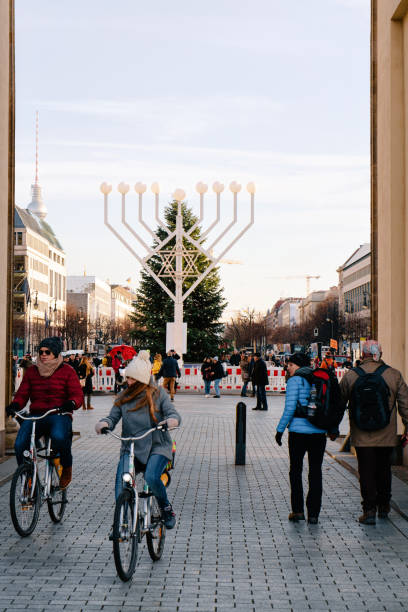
pixel 122 300
pixel 39 295
pixel 288 313
pixel 99 303
pixel 355 282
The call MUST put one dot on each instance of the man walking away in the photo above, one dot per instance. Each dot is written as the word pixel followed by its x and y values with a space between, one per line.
pixel 374 392
pixel 169 370
pixel 260 380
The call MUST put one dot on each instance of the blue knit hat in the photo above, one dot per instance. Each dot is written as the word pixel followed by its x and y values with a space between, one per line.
pixel 54 344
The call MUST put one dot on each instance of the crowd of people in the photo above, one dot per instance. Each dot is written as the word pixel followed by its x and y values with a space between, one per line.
pixel 373 392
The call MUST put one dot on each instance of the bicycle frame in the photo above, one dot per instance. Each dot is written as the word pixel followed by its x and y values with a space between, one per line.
pixel 129 481
pixel 31 456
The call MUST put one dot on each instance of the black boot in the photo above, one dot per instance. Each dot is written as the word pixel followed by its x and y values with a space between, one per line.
pixel 257 408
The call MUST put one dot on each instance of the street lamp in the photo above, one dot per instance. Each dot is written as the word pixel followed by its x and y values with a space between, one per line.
pixel 331 321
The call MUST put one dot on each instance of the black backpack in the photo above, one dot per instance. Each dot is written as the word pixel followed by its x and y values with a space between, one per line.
pixel 329 403
pixel 369 404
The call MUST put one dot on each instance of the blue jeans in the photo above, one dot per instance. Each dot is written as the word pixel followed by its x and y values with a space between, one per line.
pixel 152 472
pixel 57 426
pixel 207 387
pixel 244 387
pixel 217 386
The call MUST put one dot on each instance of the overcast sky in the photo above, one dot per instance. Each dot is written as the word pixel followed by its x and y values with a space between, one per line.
pixel 270 91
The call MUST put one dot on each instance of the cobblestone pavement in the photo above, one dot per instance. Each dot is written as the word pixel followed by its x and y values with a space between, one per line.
pixel 233 547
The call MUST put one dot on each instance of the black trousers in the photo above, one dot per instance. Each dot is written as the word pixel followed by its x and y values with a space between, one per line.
pixel 374 466
pixel 314 445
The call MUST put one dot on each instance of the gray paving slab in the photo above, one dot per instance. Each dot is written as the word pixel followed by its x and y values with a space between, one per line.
pixel 233 547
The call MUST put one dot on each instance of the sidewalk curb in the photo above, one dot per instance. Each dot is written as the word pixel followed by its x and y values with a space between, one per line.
pixel 353 471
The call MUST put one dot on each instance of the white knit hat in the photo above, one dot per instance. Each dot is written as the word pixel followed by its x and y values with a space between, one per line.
pixel 140 368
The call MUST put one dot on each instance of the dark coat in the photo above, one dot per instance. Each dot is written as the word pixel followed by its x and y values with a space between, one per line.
pixel 260 373
pixel 169 368
pixel 235 359
pixel 217 371
pixel 51 392
pixel 206 370
pixel 88 379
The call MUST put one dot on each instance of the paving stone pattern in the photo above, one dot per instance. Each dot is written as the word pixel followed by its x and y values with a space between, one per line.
pixel 233 547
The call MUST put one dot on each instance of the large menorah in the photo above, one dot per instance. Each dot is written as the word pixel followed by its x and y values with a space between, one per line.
pixel 179 261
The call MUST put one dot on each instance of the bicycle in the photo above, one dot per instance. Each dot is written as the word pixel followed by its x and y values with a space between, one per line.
pixel 133 520
pixel 28 491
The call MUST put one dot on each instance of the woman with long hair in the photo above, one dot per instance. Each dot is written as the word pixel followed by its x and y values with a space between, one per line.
pixel 142 406
pixel 85 373
pixel 157 364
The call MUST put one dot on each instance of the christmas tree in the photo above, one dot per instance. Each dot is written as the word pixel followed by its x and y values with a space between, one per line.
pixel 203 308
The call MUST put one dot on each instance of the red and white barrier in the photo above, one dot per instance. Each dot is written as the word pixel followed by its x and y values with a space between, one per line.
pixel 191 379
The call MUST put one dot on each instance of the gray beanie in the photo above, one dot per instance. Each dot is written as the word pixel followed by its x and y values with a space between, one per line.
pixel 54 344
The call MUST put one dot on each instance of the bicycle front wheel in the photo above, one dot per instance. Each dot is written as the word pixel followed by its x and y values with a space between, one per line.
pixel 25 500
pixel 58 499
pixel 125 542
pixel 157 532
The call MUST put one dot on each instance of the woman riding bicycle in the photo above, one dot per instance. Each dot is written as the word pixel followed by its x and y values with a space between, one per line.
pixel 141 406
pixel 50 383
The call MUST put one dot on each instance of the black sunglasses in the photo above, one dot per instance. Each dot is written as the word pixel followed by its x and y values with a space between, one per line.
pixel 45 352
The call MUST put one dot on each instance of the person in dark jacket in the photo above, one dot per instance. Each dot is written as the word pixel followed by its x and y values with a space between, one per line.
pixel 206 370
pixel 47 385
pixel 217 373
pixel 169 371
pixel 86 372
pixel 235 358
pixel 250 372
pixel 260 380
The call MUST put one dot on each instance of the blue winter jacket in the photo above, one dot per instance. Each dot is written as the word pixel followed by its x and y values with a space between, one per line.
pixel 297 389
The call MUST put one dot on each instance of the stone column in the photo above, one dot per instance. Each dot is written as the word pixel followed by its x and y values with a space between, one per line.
pixel 7 107
pixel 389 179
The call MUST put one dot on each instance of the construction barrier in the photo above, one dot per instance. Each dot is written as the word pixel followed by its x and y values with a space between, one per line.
pixel 191 379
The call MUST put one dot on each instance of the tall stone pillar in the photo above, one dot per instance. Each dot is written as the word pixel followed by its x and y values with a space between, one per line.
pixel 7 107
pixel 389 117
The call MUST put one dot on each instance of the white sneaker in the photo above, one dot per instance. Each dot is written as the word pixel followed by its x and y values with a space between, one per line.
pixel 206 396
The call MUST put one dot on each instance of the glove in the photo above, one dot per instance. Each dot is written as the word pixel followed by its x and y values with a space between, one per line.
pixel 67 406
pixel 278 438
pixel 12 408
pixel 101 425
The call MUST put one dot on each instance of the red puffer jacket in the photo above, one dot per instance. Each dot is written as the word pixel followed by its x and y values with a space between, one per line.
pixel 52 392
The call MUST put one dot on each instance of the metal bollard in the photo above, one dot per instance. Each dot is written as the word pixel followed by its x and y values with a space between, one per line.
pixel 240 434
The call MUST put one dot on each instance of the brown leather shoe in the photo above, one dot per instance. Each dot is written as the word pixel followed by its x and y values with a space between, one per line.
pixel 66 477
pixel 296 516
pixel 368 518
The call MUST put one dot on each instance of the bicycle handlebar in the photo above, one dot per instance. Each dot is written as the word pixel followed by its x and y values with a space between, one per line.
pixel 106 430
pixel 30 418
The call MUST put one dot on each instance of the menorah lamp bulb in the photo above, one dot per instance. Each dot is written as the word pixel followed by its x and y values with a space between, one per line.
pixel 201 188
pixel 235 187
pixel 140 188
pixel 123 188
pixel 179 195
pixel 105 188
pixel 218 187
pixel 251 188
pixel 155 188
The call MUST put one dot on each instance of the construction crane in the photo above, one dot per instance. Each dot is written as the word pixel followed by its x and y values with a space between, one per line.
pixel 308 277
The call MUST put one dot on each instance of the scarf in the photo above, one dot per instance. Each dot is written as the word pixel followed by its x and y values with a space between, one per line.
pixel 47 369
